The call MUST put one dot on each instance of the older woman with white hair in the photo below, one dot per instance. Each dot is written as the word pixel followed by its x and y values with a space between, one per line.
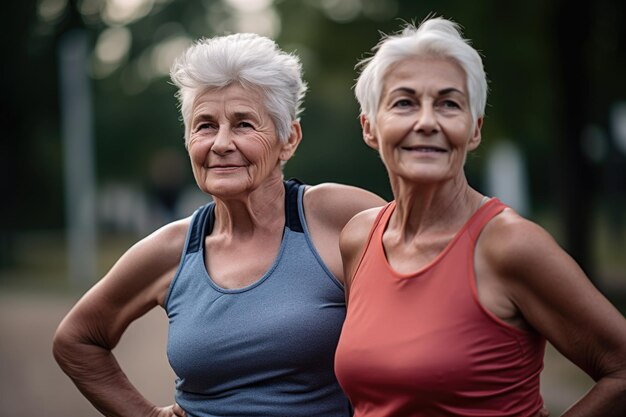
pixel 251 282
pixel 451 294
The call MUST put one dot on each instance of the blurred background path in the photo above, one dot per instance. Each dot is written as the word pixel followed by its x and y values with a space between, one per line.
pixel 31 384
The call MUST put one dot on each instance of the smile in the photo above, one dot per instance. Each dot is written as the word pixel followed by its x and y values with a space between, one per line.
pixel 426 149
pixel 224 167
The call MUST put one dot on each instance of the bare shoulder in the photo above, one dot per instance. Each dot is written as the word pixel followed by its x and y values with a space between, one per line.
pixel 357 230
pixel 149 265
pixel 510 241
pixel 337 202
pixel 327 208
pixel 167 242
pixel 530 266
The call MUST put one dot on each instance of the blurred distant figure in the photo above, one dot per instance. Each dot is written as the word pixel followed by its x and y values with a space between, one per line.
pixel 166 183
pixel 251 282
pixel 452 294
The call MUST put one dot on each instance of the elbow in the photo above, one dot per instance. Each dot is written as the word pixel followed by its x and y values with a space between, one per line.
pixel 620 381
pixel 76 347
pixel 62 345
pixel 72 346
pixel 615 383
pixel 619 391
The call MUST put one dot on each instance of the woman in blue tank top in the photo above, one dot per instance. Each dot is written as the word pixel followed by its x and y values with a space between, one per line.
pixel 252 282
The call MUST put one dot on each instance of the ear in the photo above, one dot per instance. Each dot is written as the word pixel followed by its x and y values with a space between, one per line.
pixel 369 135
pixel 289 147
pixel 476 136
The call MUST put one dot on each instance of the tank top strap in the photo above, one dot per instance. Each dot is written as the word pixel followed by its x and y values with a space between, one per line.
pixel 482 216
pixel 292 216
pixel 376 231
pixel 378 228
pixel 202 218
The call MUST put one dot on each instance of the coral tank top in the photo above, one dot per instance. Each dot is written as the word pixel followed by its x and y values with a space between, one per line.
pixel 421 344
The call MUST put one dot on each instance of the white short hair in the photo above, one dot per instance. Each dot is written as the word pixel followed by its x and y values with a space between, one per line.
pixel 251 60
pixel 433 37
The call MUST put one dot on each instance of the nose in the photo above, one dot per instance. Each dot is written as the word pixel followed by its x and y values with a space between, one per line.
pixel 223 142
pixel 426 122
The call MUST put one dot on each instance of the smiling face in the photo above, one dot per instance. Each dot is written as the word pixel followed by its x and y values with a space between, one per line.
pixel 423 128
pixel 233 145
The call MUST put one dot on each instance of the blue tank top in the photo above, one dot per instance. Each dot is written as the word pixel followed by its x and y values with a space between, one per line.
pixel 263 350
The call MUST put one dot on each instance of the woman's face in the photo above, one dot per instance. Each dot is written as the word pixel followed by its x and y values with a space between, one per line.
pixel 424 128
pixel 233 145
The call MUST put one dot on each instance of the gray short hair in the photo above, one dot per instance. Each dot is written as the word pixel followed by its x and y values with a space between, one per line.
pixel 251 60
pixel 433 37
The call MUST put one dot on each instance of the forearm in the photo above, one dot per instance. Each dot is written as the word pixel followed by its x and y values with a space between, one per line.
pixel 97 374
pixel 607 398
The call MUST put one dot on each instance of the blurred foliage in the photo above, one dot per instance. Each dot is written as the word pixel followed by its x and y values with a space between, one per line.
pixel 136 114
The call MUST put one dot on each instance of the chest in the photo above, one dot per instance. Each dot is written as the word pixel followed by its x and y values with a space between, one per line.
pixel 408 257
pixel 238 263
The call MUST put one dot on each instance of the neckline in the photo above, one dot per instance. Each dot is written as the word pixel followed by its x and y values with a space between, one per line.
pixel 415 274
pixel 292 221
pixel 253 284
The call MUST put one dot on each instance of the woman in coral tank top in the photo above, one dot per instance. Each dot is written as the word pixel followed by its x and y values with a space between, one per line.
pixel 451 294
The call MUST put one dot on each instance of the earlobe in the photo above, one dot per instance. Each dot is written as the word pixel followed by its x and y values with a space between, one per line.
pixel 368 132
pixel 477 136
pixel 289 147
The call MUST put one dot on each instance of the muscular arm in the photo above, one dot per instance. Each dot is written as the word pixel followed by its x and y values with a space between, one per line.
pixel 555 297
pixel 328 208
pixel 84 339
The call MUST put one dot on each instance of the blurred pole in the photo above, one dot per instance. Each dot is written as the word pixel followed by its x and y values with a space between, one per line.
pixel 572 27
pixel 507 176
pixel 76 126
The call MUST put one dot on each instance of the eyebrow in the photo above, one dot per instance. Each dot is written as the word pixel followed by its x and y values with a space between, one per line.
pixel 207 117
pixel 244 115
pixel 202 118
pixel 441 92
pixel 403 89
pixel 450 90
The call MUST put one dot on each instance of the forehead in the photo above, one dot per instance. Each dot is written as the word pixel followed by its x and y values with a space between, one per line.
pixel 232 96
pixel 423 72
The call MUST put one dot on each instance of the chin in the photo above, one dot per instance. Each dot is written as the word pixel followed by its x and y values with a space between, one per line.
pixel 419 176
pixel 225 187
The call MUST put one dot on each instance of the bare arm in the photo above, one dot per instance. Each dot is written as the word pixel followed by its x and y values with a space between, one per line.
pixel 83 341
pixel 555 297
pixel 328 208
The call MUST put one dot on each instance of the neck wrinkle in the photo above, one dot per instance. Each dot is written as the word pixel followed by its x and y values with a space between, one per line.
pixel 258 211
pixel 422 208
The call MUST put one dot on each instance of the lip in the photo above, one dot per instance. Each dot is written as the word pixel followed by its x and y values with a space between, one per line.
pixel 424 149
pixel 224 167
